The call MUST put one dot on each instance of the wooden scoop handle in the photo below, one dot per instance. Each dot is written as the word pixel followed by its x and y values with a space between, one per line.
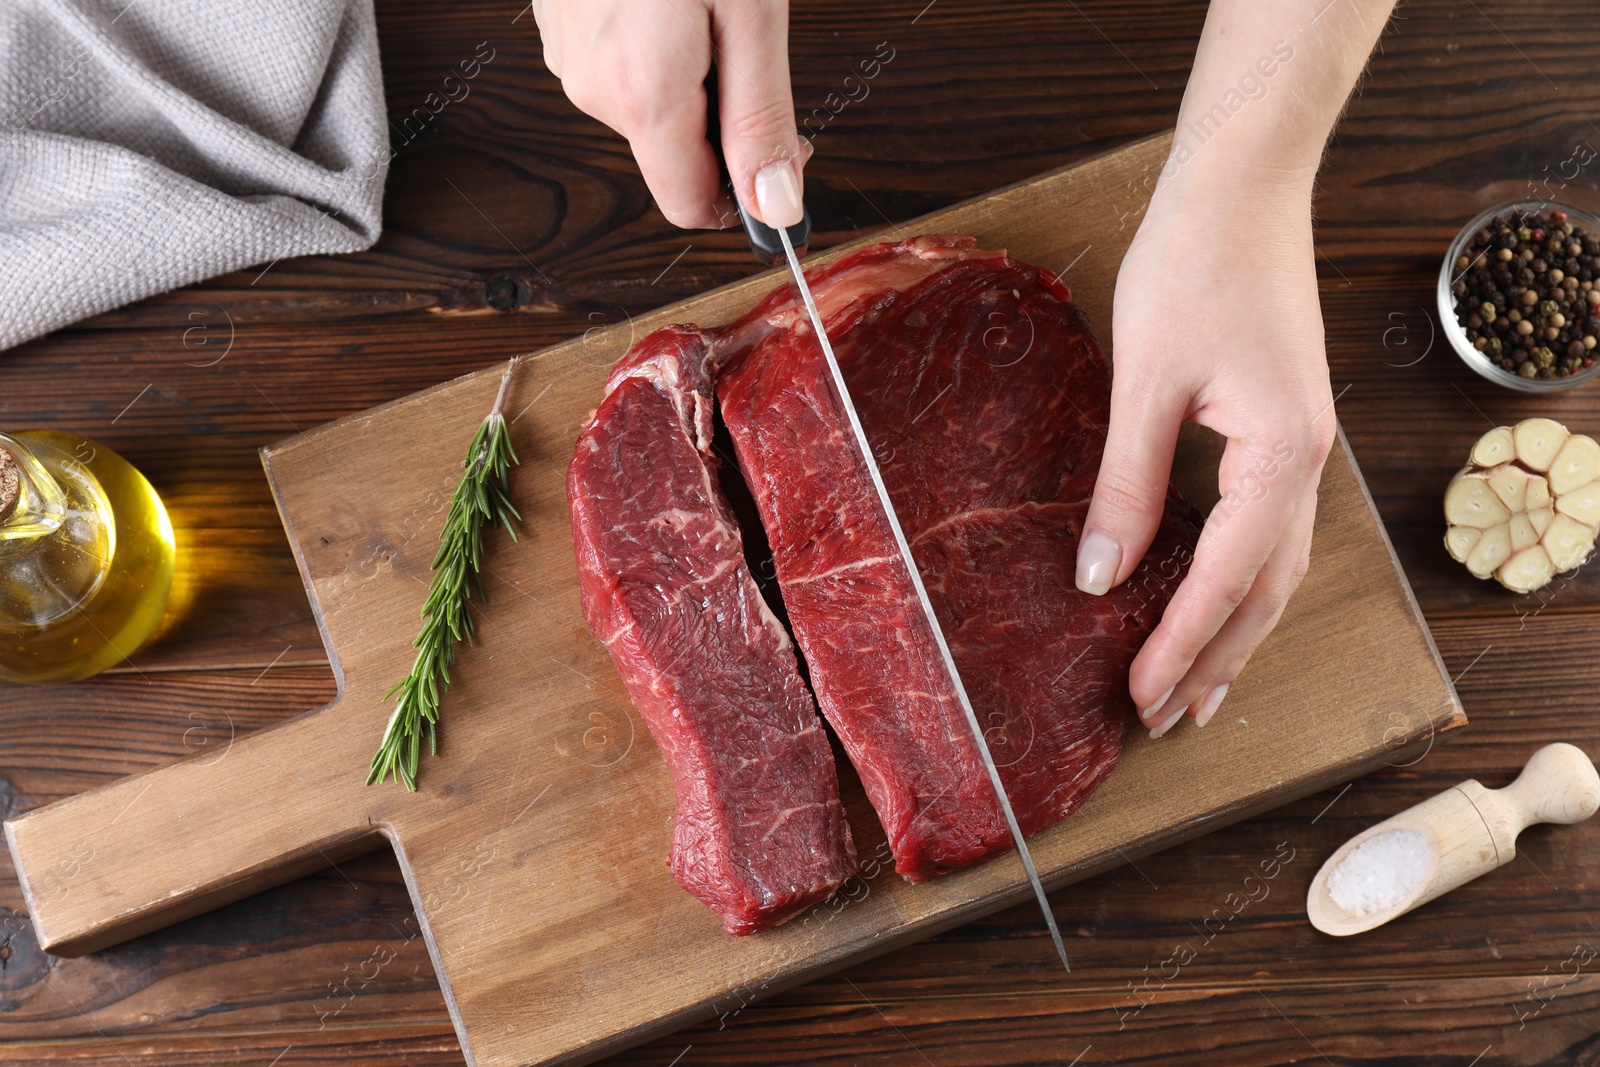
pixel 1559 784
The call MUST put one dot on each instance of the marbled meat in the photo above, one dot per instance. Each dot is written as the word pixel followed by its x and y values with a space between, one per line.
pixel 758 833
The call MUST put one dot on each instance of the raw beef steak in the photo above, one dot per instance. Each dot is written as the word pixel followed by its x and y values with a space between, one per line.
pixel 759 833
pixel 986 398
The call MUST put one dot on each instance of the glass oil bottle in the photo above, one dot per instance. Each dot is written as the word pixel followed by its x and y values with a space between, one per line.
pixel 86 557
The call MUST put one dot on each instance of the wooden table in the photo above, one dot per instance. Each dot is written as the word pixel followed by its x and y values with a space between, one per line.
pixel 513 222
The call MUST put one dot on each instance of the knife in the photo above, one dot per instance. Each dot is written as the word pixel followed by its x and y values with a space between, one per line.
pixel 765 243
pixel 864 450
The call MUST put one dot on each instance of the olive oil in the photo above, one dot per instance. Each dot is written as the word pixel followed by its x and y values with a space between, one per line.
pixel 86 558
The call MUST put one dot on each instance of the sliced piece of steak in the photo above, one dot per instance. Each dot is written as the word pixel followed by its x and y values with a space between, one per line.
pixel 759 833
pixel 986 398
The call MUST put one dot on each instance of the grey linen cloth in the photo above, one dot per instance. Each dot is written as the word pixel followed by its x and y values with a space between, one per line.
pixel 151 144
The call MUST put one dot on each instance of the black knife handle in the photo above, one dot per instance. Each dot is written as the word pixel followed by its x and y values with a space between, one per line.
pixel 764 240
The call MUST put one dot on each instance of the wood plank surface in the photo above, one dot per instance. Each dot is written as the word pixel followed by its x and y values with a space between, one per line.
pixel 1466 104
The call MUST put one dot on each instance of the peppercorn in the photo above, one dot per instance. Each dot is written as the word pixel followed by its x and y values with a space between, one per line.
pixel 1521 305
pixel 1527 370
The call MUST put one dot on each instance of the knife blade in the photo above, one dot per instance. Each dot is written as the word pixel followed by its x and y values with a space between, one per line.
pixel 864 448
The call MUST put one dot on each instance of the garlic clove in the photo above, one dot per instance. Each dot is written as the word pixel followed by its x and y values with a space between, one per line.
pixel 1492 549
pixel 1568 542
pixel 1526 571
pixel 1522 533
pixel 1510 484
pixel 1494 448
pixel 1582 504
pixel 1471 502
pixel 1576 464
pixel 1537 441
pixel 1459 541
pixel 1538 493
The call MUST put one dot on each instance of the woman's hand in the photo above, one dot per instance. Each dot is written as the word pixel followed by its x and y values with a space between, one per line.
pixel 1216 319
pixel 639 66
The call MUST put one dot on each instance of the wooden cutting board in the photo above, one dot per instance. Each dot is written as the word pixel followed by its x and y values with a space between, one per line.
pixel 535 852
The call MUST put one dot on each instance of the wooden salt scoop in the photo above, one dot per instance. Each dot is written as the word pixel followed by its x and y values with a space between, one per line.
pixel 1469 830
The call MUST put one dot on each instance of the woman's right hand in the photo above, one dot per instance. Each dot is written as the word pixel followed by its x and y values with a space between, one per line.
pixel 639 66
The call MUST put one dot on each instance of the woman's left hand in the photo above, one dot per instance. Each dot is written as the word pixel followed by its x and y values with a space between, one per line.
pixel 1217 320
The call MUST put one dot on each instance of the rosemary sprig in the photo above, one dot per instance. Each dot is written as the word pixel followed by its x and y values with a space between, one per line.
pixel 481 498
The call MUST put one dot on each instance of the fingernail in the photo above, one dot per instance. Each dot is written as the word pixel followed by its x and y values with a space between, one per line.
pixel 778 194
pixel 806 149
pixel 1209 707
pixel 1166 724
pixel 1098 557
pixel 1145 713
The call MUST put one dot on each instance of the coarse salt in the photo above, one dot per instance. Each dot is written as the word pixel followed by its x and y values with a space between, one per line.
pixel 1382 872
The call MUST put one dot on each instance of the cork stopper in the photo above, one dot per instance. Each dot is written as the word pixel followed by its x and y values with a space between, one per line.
pixel 10 484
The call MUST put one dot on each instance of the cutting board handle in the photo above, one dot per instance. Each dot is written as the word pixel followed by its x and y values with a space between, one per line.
pixel 144 852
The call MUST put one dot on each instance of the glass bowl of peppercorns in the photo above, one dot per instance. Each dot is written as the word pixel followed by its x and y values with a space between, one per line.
pixel 1519 295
